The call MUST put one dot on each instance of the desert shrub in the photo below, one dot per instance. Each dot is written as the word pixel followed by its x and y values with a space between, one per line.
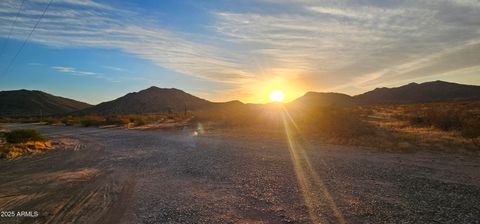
pixel 415 120
pixel 13 151
pixel 266 118
pixel 471 130
pixel 4 120
pixel 116 120
pixel 405 117
pixel 347 125
pixel 92 121
pixel 70 121
pixel 334 122
pixel 221 117
pixel 28 120
pixel 23 135
pixel 139 122
pixel 52 120
pixel 463 117
pixel 445 120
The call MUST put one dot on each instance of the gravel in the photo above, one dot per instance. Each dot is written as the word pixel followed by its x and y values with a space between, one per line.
pixel 125 176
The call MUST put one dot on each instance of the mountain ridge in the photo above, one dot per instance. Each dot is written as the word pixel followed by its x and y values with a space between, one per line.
pixel 156 100
pixel 434 91
pixel 14 103
pixel 312 98
pixel 150 100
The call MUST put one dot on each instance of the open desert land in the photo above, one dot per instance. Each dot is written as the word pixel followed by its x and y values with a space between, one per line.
pixel 130 176
pixel 256 111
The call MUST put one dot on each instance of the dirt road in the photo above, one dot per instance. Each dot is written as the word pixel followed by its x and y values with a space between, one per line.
pixel 125 176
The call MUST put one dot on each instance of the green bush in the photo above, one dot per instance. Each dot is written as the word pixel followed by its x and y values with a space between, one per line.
pixel 23 135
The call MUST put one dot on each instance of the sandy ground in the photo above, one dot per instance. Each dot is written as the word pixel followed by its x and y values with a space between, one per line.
pixel 127 176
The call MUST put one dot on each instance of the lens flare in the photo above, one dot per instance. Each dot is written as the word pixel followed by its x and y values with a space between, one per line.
pixel 316 195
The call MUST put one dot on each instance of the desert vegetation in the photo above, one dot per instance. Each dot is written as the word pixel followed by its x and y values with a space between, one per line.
pixel 405 127
pixel 338 125
pixel 463 118
pixel 23 135
pixel 131 121
pixel 451 125
pixel 336 122
pixel 448 125
pixel 21 142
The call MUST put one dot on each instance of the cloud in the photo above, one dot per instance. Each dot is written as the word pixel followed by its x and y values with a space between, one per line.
pixel 331 44
pixel 87 26
pixel 341 44
pixel 118 69
pixel 64 69
pixel 75 72
pixel 85 3
pixel 86 73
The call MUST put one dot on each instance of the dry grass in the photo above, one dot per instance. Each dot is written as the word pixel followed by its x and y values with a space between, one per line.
pixel 450 126
pixel 338 125
pixel 15 150
pixel 433 126
pixel 21 142
pixel 129 121
pixel 438 126
pixel 22 136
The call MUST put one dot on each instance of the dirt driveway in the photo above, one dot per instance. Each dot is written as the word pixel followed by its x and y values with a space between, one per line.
pixel 125 176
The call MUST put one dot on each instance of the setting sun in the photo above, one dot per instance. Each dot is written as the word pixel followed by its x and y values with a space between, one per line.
pixel 277 96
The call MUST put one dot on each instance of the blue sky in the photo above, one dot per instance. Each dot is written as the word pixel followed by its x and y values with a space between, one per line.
pixel 224 50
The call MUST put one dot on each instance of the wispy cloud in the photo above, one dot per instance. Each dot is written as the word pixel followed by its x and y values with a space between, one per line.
pixel 330 44
pixel 75 72
pixel 118 69
pixel 350 44
pixel 87 26
pixel 64 69
pixel 72 71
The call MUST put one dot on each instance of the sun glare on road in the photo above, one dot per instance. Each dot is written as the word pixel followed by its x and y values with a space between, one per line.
pixel 277 96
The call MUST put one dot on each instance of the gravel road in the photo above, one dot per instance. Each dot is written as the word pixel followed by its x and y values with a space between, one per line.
pixel 126 176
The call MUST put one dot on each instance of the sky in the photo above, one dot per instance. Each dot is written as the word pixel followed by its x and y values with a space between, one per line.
pixel 222 50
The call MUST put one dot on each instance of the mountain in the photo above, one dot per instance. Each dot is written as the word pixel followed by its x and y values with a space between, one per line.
pixel 424 92
pixel 154 100
pixel 18 103
pixel 151 100
pixel 412 93
pixel 323 99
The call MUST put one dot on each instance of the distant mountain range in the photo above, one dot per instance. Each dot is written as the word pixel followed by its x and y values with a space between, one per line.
pixel 36 103
pixel 436 91
pixel 154 100
pixel 424 92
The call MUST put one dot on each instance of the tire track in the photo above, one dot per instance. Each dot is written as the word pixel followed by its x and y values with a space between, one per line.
pixel 115 213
